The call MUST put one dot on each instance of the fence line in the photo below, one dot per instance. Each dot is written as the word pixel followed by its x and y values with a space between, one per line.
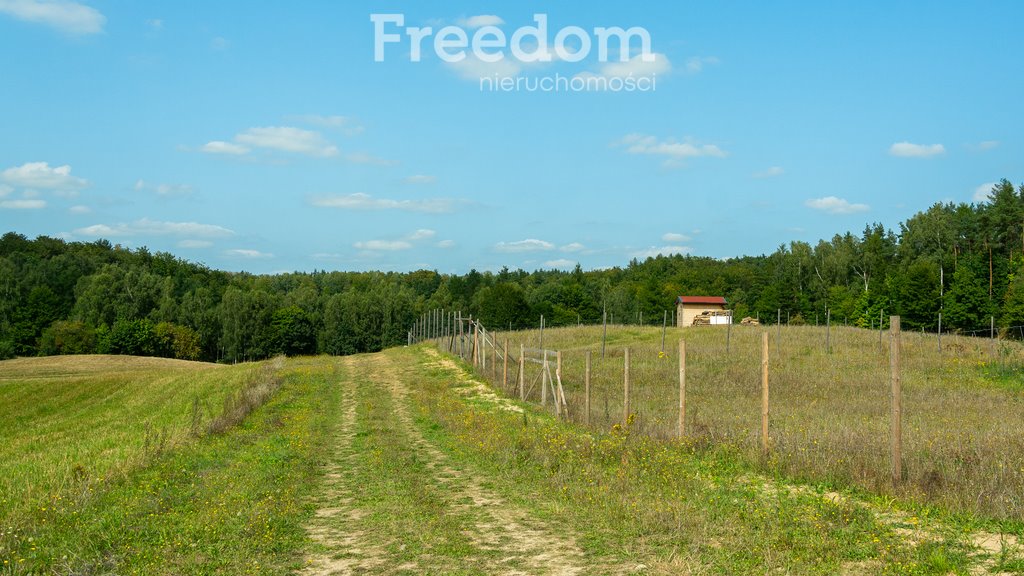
pixel 531 377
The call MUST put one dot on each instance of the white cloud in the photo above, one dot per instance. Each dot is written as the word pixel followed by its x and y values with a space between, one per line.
pixel 22 204
pixel 195 244
pixel 988 145
pixel 833 205
pixel 637 67
pixel 147 227
pixel 419 179
pixel 641 144
pixel 770 172
pixel 909 150
pixel 155 23
pixel 364 158
pixel 248 253
pixel 164 189
pixel 79 209
pixel 422 234
pixel 287 139
pixel 5 190
pixel 334 122
pixel 675 237
pixel 528 245
pixel 560 263
pixel 654 251
pixel 64 15
pixel 572 247
pixel 383 245
pixel 981 192
pixel 39 175
pixel 445 244
pixel 360 201
pixel 472 68
pixel 481 21
pixel 219 43
pixel 221 147
pixel 696 64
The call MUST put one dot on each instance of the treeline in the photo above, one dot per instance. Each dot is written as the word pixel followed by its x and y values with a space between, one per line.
pixel 56 297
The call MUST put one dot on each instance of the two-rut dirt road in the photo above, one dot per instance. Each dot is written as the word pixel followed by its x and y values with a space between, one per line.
pixel 394 502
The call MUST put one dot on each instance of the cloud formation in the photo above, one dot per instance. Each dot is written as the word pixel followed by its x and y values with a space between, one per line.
pixel 64 15
pixel 383 245
pixel 910 150
pixel 147 227
pixel 40 176
pixel 528 245
pixel 688 148
pixel 833 205
pixel 361 201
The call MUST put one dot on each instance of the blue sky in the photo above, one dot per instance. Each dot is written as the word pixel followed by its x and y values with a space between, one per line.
pixel 265 137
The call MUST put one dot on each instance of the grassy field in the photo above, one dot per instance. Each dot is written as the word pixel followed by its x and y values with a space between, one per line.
pixel 118 465
pixel 963 424
pixel 403 462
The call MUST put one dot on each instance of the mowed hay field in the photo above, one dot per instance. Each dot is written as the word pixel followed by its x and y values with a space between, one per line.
pixel 126 465
pixel 72 421
pixel 830 411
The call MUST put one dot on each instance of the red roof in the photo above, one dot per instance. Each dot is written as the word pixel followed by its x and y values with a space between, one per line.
pixel 702 300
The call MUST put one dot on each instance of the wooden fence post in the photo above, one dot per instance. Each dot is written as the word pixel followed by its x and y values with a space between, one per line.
pixel 522 372
pixel 764 393
pixel 494 358
pixel 625 395
pixel 544 380
pixel 682 388
pixel 504 366
pixel 560 395
pixel 896 399
pixel 586 391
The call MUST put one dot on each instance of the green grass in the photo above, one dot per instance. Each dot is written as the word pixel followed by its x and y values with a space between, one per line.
pixel 674 507
pixel 401 463
pixel 232 503
pixel 963 440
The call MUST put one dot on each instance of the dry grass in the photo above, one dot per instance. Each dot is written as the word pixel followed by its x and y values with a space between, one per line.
pixel 830 412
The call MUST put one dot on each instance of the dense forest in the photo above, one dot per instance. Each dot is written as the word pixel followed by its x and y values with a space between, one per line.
pixel 57 297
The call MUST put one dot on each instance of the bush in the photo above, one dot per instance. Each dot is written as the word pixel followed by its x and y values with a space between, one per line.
pixel 175 341
pixel 6 349
pixel 130 337
pixel 67 337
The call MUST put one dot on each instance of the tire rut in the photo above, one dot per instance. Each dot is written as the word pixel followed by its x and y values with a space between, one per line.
pixel 524 545
pixel 335 526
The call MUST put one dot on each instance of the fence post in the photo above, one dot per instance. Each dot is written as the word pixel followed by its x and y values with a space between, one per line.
pixel 764 393
pixel 682 389
pixel 604 330
pixel 828 331
pixel 544 379
pixel 664 325
pixel 560 392
pixel 586 391
pixel 778 323
pixel 494 358
pixel 896 399
pixel 504 366
pixel 625 394
pixel 940 332
pixel 728 334
pixel 522 375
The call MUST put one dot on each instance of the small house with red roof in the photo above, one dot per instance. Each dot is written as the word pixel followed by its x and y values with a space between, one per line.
pixel 689 307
